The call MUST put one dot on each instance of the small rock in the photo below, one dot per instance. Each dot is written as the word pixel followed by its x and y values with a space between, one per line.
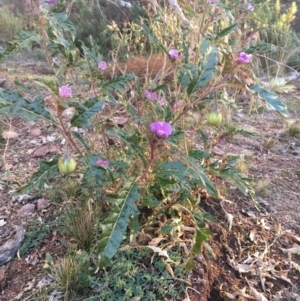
pixel 42 204
pixel 2 81
pixel 10 247
pixel 270 208
pixel 26 210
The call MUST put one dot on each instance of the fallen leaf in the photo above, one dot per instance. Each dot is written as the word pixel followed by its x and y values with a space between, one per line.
pixel 35 132
pixel 291 250
pixel 257 295
pixel 9 135
pixel 161 253
pixel 155 241
pixel 41 151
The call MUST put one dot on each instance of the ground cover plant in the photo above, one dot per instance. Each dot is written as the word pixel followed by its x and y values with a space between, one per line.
pixel 138 147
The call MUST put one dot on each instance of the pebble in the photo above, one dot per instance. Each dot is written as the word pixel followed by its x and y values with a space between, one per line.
pixel 42 204
pixel 26 210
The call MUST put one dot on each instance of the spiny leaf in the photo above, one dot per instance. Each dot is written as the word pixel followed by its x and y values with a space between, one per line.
pixel 193 77
pixel 233 176
pixel 118 83
pixel 188 171
pixel 14 104
pixel 115 226
pixel 226 31
pixel 80 138
pixel 46 171
pixel 271 99
pixel 87 110
pixel 47 83
pixel 94 175
pixel 24 39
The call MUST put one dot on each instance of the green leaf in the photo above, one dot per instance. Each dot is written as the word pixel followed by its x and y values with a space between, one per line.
pixel 85 111
pixel 133 142
pixel 14 104
pixel 199 154
pixel 189 171
pixel 46 171
pixel 118 83
pixel 60 24
pixel 24 39
pixel 201 235
pixel 95 175
pixel 233 176
pixel 114 228
pixel 272 101
pixel 226 31
pixel 81 140
pixel 47 83
pixel 193 77
pixel 260 48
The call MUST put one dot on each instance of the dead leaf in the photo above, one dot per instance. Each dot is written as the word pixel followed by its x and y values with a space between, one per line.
pixel 41 151
pixel 35 132
pixel 9 135
pixel 155 241
pixel 257 295
pixel 229 220
pixel 161 253
pixel 291 250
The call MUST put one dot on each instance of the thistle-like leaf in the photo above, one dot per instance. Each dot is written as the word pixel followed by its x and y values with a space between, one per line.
pixel 14 104
pixel 233 176
pixel 115 226
pixel 271 99
pixel 24 39
pixel 85 111
pixel 187 170
pixel 94 175
pixel 46 171
pixel 194 77
pixel 118 83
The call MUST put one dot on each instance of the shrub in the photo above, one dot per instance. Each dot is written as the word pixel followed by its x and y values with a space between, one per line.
pixel 143 148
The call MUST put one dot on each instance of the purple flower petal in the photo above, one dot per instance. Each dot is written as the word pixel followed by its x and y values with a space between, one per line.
pixel 102 163
pixel 65 92
pixel 102 65
pixel 161 129
pixel 244 58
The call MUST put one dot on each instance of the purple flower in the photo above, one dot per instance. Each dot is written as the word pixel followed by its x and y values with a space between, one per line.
pixel 250 7
pixel 176 105
pixel 151 95
pixel 174 54
pixel 102 163
pixel 102 65
pixel 212 1
pixel 65 92
pixel 161 129
pixel 244 58
pixel 51 1
pixel 162 102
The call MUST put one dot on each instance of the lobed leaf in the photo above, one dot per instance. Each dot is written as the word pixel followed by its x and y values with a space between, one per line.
pixel 85 111
pixel 115 226
pixel 14 104
pixel 46 171
pixel 271 99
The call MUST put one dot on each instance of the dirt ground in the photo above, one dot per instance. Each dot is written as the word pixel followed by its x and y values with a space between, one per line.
pixel 250 255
